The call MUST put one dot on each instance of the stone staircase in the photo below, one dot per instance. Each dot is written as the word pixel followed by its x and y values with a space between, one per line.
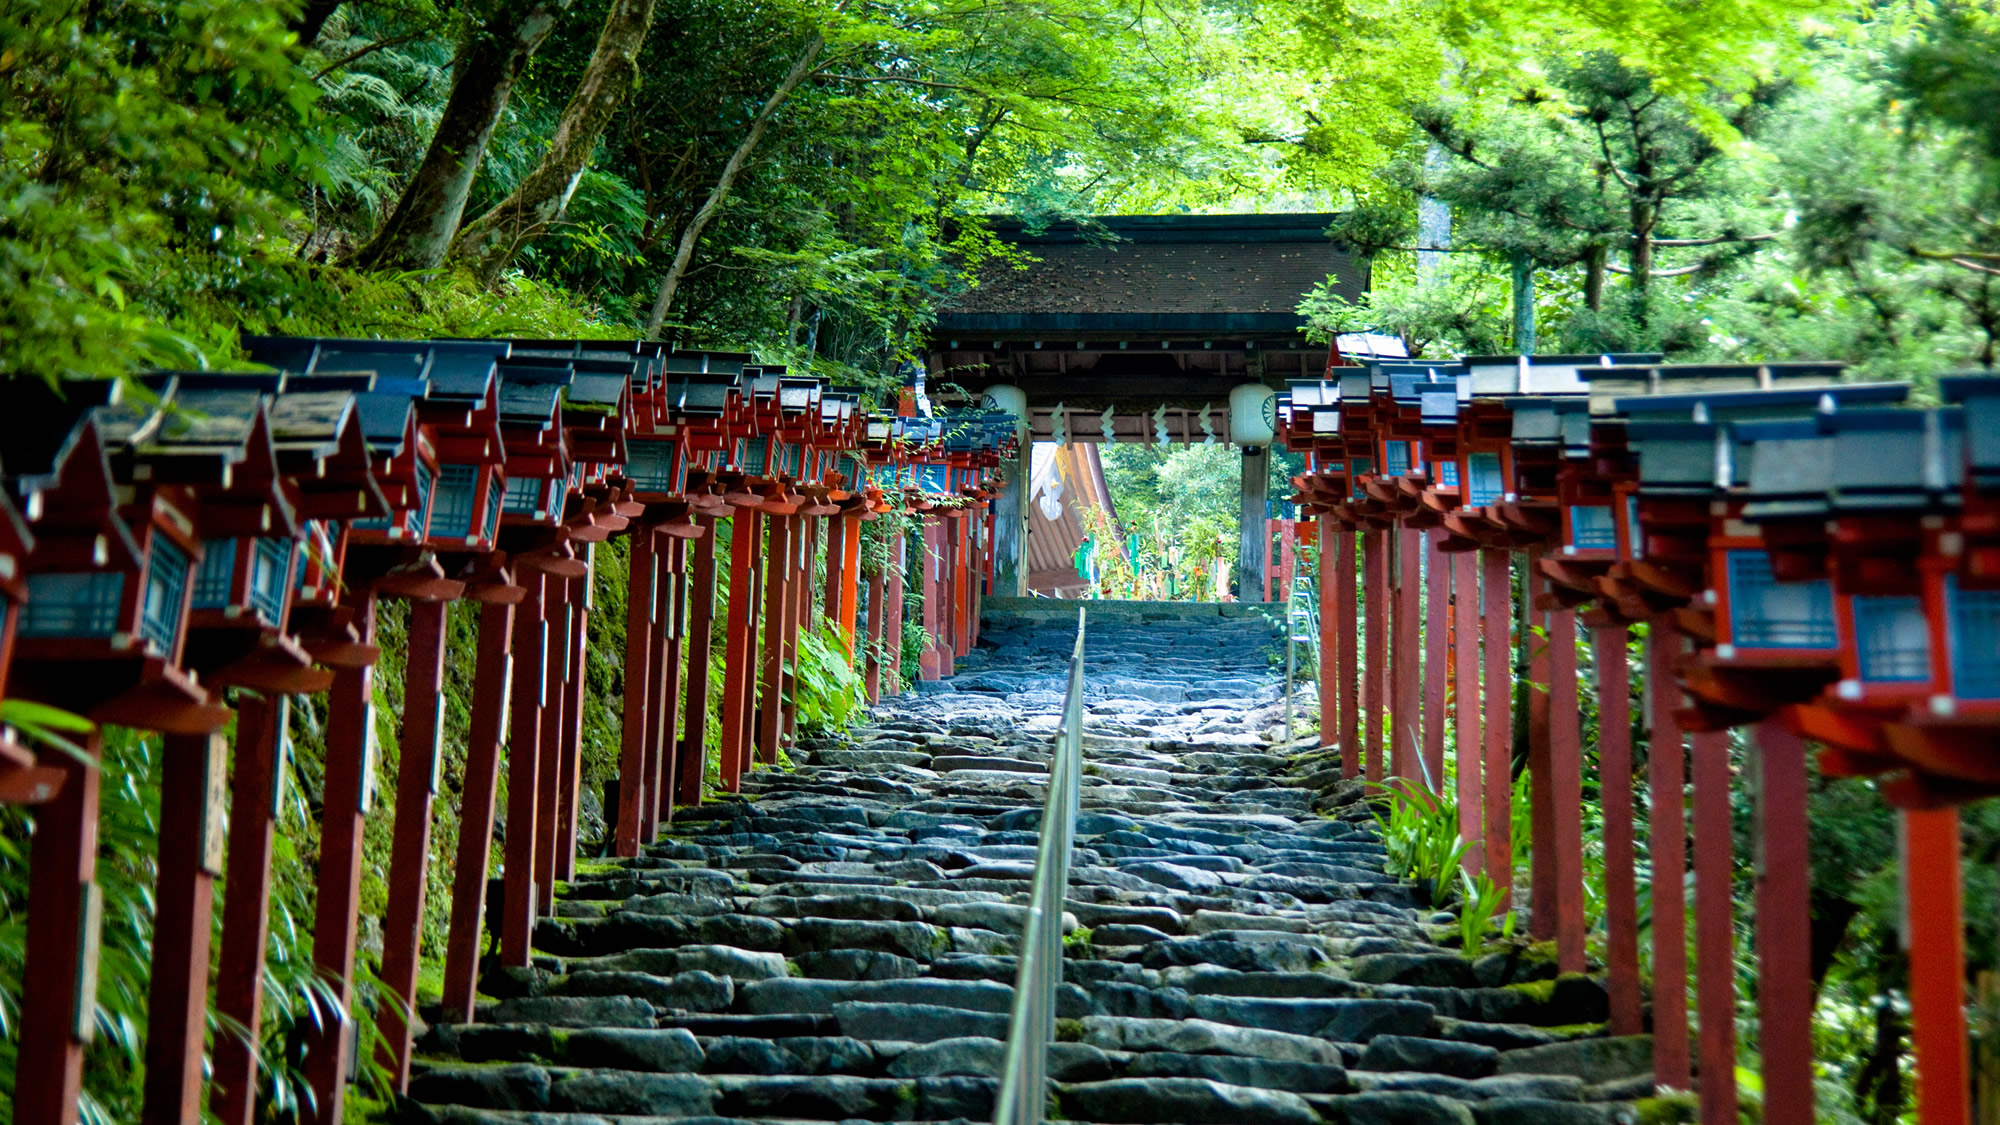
pixel 840 946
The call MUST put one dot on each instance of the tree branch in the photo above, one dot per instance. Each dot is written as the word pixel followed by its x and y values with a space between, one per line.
pixel 900 80
pixel 1718 240
pixel 802 67
pixel 1678 271
pixel 392 41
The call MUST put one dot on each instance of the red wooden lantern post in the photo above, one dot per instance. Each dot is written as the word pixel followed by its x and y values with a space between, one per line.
pixel 108 588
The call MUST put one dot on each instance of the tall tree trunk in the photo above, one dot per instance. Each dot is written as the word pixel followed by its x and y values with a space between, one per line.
pixel 1524 304
pixel 541 198
pixel 1644 215
pixel 489 62
pixel 801 67
pixel 1593 279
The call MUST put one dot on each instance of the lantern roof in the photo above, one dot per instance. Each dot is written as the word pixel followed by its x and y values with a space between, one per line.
pixel 529 393
pixel 1754 405
pixel 1980 397
pixel 1542 374
pixel 1610 384
pixel 1860 460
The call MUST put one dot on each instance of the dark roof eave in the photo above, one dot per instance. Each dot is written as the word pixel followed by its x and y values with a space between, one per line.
pixel 1111 324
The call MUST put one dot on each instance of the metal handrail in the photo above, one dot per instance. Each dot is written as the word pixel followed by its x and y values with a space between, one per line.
pixel 1301 606
pixel 1023 1098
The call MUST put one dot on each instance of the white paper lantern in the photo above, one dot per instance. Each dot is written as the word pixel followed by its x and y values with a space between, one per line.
pixel 1013 400
pixel 1253 414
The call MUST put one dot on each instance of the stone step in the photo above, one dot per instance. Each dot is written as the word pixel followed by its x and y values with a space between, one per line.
pixel 838 944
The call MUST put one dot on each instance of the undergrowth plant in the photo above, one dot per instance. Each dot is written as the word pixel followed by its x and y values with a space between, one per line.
pixel 1421 835
pixel 1480 898
pixel 828 692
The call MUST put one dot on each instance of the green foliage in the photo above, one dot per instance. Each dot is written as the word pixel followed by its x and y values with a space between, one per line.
pixel 1184 505
pixel 828 692
pixel 143 152
pixel 1421 835
pixel 1479 900
pixel 1468 314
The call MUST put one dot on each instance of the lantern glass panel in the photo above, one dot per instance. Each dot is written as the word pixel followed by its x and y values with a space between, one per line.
pixel 933 478
pixel 268 572
pixel 1446 473
pixel 754 455
pixel 1975 643
pixel 418 516
pixel 457 495
pixel 1893 639
pixel 524 495
pixel 1395 458
pixel 1634 534
pixel 72 605
pixel 1363 466
pixel 1767 613
pixel 166 582
pixel 1592 528
pixel 495 487
pixel 218 567
pixel 1487 485
pixel 650 465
